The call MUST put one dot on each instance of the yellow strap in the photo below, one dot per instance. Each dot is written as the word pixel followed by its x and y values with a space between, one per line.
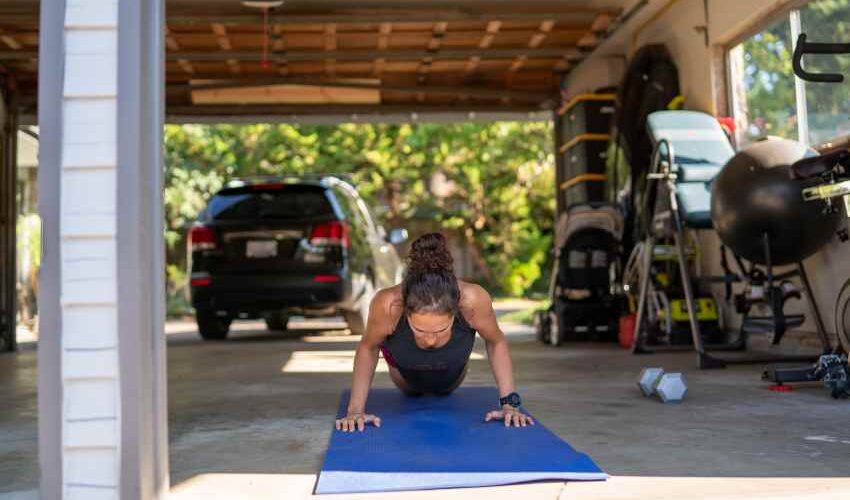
pixel 585 97
pixel 583 178
pixel 582 138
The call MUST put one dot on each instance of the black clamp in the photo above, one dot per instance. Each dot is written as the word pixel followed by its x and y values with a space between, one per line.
pixel 803 48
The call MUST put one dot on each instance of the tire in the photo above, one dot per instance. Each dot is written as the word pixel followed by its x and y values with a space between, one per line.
pixel 556 325
pixel 542 326
pixel 212 327
pixel 277 322
pixel 842 316
pixel 357 318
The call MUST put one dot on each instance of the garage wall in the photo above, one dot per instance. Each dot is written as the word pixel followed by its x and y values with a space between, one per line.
pixel 702 76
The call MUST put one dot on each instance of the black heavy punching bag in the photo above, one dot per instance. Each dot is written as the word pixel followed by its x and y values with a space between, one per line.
pixel 754 194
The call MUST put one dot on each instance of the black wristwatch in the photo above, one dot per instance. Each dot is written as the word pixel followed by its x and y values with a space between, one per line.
pixel 512 399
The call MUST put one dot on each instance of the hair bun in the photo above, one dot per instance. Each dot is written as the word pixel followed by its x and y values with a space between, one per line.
pixel 430 253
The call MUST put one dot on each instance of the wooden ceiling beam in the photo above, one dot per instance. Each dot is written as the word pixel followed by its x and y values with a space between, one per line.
pixel 186 66
pixel 490 32
pixel 221 36
pixel 312 109
pixel 224 44
pixel 172 44
pixel 356 55
pixel 588 41
pixel 517 63
pixel 170 41
pixel 353 16
pixel 472 64
pixel 542 31
pixel 279 47
pixel 412 13
pixel 492 28
pixel 601 23
pixel 536 39
pixel 448 90
pixel 10 41
pixel 536 77
pixel 384 31
pixel 18 55
pixel 330 47
pixel 437 34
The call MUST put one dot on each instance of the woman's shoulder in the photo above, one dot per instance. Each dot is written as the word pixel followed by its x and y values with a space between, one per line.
pixel 389 300
pixel 473 293
pixel 474 299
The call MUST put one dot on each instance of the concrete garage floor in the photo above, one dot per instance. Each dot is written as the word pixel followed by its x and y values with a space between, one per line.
pixel 251 418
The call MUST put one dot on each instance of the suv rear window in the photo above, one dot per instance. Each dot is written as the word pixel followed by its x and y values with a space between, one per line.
pixel 285 202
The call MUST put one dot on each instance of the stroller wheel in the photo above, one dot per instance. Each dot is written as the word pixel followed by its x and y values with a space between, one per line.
pixel 555 334
pixel 542 326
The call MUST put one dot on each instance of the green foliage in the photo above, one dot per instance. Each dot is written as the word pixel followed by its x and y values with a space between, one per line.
pixel 769 79
pixel 502 175
pixel 28 238
pixel 177 298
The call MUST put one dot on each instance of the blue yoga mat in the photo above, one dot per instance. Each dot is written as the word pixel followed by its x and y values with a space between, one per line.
pixel 432 442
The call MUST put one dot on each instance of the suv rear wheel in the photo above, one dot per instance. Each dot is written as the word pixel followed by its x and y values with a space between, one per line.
pixel 277 321
pixel 211 326
pixel 357 319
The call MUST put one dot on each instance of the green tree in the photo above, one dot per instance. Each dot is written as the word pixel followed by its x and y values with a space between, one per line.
pixel 502 203
pixel 769 78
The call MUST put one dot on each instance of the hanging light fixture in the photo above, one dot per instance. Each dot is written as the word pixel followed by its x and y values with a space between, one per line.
pixel 262 4
pixel 265 7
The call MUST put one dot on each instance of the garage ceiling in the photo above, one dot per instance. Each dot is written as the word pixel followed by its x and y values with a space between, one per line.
pixel 336 57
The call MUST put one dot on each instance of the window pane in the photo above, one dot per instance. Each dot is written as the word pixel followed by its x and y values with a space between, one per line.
pixel 290 202
pixel 828 104
pixel 764 86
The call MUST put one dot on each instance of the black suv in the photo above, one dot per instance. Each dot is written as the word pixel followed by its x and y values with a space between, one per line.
pixel 272 247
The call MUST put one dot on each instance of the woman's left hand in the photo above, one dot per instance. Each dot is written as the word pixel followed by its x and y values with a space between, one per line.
pixel 510 415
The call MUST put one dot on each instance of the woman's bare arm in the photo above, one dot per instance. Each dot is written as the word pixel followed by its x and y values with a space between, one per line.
pixel 378 327
pixel 482 317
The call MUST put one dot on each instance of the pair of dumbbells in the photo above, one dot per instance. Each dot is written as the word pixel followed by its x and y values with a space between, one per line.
pixel 669 387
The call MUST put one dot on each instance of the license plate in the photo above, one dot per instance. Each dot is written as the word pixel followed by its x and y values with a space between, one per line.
pixel 261 249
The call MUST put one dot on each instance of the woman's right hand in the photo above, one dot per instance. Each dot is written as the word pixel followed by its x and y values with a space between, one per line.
pixel 356 422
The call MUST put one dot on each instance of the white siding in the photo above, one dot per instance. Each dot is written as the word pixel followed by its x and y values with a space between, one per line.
pixel 91 401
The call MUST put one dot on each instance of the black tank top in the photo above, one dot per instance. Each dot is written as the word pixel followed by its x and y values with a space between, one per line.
pixel 431 370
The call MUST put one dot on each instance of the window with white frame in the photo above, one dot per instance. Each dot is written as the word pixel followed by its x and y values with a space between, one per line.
pixel 769 100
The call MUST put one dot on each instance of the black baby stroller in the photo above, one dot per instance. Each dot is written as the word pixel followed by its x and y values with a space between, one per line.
pixel 587 241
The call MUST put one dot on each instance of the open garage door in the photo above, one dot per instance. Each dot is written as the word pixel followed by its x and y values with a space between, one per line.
pixel 8 168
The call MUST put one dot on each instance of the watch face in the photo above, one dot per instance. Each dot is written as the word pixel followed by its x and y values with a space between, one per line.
pixel 512 399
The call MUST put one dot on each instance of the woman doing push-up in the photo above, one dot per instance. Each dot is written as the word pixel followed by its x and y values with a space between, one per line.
pixel 425 327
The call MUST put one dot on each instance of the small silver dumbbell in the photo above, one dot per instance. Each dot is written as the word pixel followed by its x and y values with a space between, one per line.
pixel 669 387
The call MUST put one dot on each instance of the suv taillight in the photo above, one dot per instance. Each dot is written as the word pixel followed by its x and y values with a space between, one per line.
pixel 330 233
pixel 201 238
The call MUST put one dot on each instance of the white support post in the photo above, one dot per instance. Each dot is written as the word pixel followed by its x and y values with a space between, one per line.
pixel 102 431
pixel 91 407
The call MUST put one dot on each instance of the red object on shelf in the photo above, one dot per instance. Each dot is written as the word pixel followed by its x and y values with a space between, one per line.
pixel 727 122
pixel 780 388
pixel 627 330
